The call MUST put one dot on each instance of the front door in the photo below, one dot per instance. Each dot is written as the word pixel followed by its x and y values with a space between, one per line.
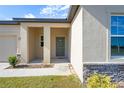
pixel 60 46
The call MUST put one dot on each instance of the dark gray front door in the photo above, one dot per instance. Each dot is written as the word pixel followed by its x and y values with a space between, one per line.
pixel 60 46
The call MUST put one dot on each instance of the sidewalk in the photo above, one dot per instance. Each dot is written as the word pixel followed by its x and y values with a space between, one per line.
pixel 58 69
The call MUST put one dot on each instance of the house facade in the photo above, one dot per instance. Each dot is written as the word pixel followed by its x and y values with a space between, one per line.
pixel 91 39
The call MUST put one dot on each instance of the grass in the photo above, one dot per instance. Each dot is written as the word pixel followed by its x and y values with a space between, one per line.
pixel 40 82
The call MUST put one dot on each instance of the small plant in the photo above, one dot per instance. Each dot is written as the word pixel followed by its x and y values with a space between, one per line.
pixel 12 61
pixel 100 81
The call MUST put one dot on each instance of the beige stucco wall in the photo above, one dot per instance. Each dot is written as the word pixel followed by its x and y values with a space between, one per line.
pixel 77 43
pixel 97 41
pixel 9 29
pixel 58 32
pixel 35 50
pixel 95 34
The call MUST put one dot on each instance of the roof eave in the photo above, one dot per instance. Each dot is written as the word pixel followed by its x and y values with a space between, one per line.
pixel 72 12
pixel 40 20
pixel 11 22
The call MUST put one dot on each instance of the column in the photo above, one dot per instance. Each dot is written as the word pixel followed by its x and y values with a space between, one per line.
pixel 24 43
pixel 46 48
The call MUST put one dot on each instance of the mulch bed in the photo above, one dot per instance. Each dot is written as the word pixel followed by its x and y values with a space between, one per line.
pixel 32 66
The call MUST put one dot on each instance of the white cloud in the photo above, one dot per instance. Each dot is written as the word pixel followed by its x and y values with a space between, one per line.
pixel 54 11
pixel 65 7
pixel 8 19
pixel 64 14
pixel 29 15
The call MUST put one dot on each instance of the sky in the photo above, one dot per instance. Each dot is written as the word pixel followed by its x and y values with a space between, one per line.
pixel 7 12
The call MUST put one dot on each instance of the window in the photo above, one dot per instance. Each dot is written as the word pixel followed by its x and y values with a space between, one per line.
pixel 117 35
pixel 41 43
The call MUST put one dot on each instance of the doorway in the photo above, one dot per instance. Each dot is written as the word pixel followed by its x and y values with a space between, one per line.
pixel 60 47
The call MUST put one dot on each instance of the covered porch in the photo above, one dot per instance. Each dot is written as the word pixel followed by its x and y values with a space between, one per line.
pixel 46 44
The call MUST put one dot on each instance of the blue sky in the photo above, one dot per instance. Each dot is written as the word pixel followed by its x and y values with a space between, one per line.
pixel 7 12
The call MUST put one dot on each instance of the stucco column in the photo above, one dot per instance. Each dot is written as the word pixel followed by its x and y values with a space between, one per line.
pixel 24 43
pixel 46 48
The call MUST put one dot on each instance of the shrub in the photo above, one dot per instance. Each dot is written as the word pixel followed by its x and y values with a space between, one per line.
pixel 100 81
pixel 12 61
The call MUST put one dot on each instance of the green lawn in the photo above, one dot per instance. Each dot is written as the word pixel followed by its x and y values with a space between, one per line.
pixel 40 82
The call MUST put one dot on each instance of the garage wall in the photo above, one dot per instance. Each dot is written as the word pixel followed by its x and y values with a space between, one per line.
pixel 9 28
pixel 76 43
pixel 9 41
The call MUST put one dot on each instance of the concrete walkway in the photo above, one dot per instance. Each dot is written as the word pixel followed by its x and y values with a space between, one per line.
pixel 58 69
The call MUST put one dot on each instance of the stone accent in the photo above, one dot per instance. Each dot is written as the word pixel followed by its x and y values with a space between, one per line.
pixel 115 71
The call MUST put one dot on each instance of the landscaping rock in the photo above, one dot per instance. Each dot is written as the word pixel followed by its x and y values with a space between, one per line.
pixel 115 71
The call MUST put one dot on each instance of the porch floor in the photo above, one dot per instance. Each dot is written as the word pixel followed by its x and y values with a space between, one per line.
pixel 39 61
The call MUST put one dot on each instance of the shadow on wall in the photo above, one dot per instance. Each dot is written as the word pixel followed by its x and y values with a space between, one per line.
pixel 94 38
